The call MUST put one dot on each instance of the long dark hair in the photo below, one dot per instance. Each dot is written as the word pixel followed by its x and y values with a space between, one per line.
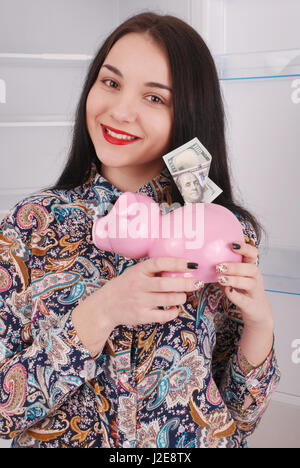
pixel 197 102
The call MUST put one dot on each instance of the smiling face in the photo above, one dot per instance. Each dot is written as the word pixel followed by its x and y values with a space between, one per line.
pixel 129 111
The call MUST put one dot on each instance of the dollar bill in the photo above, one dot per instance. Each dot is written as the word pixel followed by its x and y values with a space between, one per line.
pixel 189 166
pixel 211 191
pixel 191 154
pixel 191 183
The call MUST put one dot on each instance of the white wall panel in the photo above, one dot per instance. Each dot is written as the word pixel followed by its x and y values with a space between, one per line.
pixel 35 91
pixel 57 26
pixel 279 427
pixel 263 132
pixel 180 8
pixel 38 89
pixel 207 17
pixel 258 25
pixel 264 140
pixel 287 332
pixel 5 443
pixel 32 160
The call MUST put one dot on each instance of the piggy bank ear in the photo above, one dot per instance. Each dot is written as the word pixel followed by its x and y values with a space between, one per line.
pixel 129 204
pixel 125 205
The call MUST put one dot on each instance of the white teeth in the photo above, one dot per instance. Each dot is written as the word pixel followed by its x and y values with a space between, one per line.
pixel 119 136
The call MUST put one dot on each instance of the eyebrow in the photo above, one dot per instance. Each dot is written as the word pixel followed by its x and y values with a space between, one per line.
pixel 151 84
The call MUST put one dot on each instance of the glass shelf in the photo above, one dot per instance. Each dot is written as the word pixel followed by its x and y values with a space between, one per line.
pixel 245 66
pixel 32 58
pixel 280 269
pixel 258 65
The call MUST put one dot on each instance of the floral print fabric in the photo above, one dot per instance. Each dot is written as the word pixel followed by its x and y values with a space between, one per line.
pixel 177 385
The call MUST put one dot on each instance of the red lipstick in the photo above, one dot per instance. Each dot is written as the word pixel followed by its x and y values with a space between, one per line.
pixel 117 141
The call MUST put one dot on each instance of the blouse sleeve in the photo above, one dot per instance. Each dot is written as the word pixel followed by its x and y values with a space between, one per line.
pixel 38 371
pixel 234 376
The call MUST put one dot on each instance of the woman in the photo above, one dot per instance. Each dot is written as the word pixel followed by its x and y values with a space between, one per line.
pixel 90 357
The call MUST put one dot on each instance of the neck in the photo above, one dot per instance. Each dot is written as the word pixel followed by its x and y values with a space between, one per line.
pixel 129 179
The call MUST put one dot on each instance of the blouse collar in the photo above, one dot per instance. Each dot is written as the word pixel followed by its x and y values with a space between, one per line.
pixel 159 188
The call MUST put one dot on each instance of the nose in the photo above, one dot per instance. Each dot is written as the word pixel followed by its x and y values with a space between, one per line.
pixel 124 109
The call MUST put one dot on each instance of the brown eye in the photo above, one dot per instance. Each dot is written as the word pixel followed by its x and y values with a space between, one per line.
pixel 110 83
pixel 154 99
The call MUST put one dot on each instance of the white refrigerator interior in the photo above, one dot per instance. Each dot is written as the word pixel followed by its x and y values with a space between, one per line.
pixel 45 49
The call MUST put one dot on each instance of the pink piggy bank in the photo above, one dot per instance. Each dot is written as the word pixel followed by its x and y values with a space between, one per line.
pixel 201 232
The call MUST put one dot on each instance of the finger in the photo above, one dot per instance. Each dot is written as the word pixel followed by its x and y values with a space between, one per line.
pixel 239 298
pixel 166 299
pixel 155 265
pixel 163 316
pixel 239 269
pixel 248 251
pixel 177 284
pixel 239 282
pixel 228 289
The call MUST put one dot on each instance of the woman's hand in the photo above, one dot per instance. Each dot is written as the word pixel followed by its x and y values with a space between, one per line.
pixel 133 299
pixel 243 285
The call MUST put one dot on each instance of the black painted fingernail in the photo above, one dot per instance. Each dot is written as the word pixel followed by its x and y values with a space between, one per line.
pixel 236 246
pixel 192 266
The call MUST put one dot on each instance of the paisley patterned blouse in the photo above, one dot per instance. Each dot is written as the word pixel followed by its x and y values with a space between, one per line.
pixel 177 385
